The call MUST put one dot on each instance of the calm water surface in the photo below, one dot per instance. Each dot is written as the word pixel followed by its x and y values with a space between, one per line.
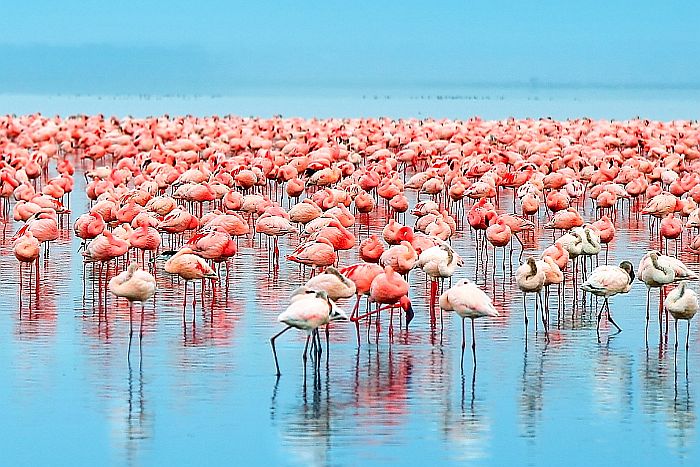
pixel 75 390
pixel 439 102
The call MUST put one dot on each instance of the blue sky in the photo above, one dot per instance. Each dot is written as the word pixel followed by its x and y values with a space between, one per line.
pixel 213 46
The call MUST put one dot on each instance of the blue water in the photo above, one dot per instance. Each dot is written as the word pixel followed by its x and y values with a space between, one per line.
pixel 439 102
pixel 75 391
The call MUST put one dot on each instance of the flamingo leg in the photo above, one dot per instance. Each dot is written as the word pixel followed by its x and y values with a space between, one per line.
pixel 464 343
pixel 522 247
pixel 274 351
pixel 131 320
pixel 610 318
pixel 433 293
pixel 473 344
pixel 355 320
pixel 143 307
pixel 646 329
pixel 374 312
pixel 545 321
pixel 391 324
pixel 184 300
pixel 303 357
pixel 676 334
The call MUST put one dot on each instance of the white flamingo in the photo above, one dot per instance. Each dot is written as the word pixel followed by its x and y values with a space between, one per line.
pixel 590 244
pixel 136 285
pixel 467 300
pixel 682 303
pixel 307 311
pixel 607 281
pixel 335 284
pixel 530 279
pixel 657 270
pixel 438 262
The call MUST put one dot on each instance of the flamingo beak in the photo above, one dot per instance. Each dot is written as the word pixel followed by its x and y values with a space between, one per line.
pixel 409 314
pixel 166 255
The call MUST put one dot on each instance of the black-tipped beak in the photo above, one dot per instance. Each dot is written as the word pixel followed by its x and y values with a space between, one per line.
pixel 166 254
pixel 409 315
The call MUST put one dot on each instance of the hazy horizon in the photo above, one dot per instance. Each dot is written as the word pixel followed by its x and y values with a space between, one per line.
pixel 219 47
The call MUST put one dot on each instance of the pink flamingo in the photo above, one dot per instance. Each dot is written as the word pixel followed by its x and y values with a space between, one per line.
pixel 190 267
pixel 362 275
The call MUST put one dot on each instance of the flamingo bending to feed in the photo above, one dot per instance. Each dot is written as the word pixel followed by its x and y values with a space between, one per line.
pixel 362 275
pixel 391 290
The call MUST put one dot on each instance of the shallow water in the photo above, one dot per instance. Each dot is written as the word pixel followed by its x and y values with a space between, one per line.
pixel 75 388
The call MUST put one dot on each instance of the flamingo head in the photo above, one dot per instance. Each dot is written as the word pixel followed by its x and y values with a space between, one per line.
pixel 166 255
pixel 628 268
pixel 405 304
pixel 532 264
pixel 336 314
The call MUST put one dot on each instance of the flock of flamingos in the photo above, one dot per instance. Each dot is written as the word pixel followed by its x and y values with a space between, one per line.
pixel 177 193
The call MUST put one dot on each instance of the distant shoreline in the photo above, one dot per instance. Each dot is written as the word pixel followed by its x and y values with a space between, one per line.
pixel 487 103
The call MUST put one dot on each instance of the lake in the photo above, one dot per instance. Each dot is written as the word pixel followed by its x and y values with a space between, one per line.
pixel 200 387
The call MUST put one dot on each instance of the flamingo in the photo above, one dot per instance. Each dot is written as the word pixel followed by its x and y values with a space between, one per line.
pixel 307 311
pixel 499 234
pixel 657 272
pixel 318 253
pixel 531 279
pixel 274 226
pixel 391 290
pixel 438 262
pixel 136 285
pixel 189 266
pixel 333 282
pixel 362 275
pixel 402 257
pixel 607 281
pixel 682 303
pixel 26 250
pixel 371 249
pixel 552 275
pixel 467 300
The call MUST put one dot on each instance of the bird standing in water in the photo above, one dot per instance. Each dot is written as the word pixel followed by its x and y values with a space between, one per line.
pixel 606 281
pixel 136 285
pixel 531 279
pixel 467 300
pixel 682 303
pixel 307 311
